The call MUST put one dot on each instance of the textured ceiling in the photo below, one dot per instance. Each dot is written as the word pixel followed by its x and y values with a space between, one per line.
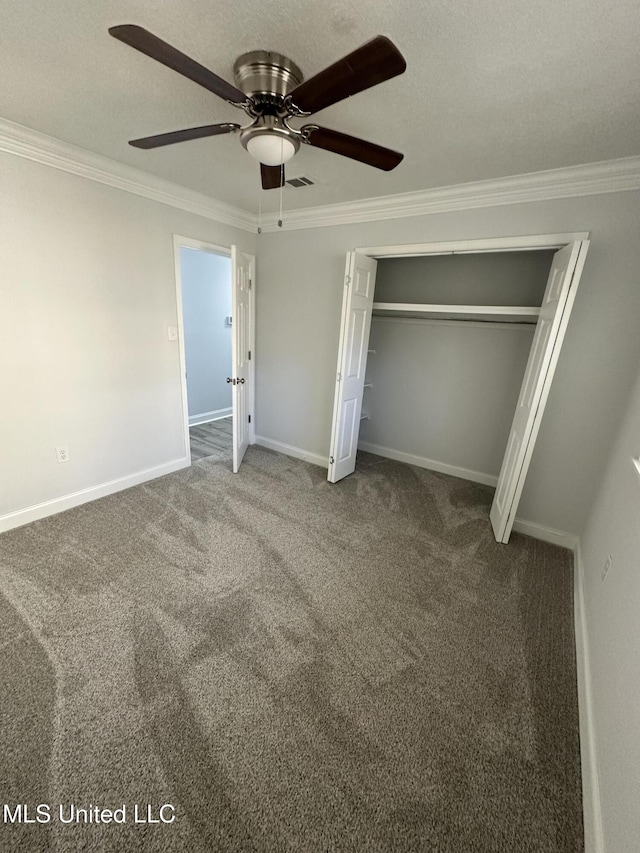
pixel 491 88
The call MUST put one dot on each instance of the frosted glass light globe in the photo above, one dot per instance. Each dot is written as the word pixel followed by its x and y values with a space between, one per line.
pixel 271 148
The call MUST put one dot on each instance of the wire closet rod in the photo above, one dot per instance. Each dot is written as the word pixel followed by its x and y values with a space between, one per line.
pixel 498 321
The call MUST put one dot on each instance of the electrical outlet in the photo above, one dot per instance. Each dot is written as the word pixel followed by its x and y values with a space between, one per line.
pixel 62 454
pixel 606 567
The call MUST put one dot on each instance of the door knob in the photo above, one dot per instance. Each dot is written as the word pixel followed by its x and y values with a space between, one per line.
pixel 229 379
pixel 240 381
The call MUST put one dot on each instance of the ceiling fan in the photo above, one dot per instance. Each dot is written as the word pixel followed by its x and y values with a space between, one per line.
pixel 271 90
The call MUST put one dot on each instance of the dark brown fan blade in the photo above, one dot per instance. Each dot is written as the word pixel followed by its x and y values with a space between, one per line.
pixel 376 61
pixel 272 177
pixel 152 46
pixel 183 135
pixel 351 146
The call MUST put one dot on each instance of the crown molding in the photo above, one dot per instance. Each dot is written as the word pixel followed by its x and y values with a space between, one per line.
pixel 610 176
pixel 40 148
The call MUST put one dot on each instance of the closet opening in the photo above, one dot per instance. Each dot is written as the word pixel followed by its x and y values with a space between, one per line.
pixel 447 354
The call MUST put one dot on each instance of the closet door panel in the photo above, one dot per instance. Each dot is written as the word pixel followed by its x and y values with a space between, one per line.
pixel 352 363
pixel 545 349
pixel 242 391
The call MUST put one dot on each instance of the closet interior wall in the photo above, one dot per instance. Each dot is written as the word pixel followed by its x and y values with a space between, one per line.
pixel 442 392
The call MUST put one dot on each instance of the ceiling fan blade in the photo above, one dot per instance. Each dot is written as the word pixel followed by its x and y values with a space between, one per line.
pixel 272 177
pixel 351 146
pixel 152 46
pixel 183 135
pixel 376 61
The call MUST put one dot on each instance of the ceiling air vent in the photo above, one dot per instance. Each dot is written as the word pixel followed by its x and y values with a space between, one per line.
pixel 302 181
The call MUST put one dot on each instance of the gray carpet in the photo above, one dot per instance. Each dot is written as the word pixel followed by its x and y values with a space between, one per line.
pixel 293 665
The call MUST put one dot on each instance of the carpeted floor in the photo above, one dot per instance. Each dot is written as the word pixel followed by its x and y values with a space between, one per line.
pixel 294 666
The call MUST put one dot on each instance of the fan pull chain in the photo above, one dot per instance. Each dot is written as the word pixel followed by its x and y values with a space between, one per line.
pixel 281 180
pixel 260 209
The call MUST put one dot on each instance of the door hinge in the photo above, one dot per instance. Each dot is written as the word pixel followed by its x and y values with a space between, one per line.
pixel 250 284
pixel 347 279
pixel 249 355
pixel 331 460
pixel 339 378
pixel 249 418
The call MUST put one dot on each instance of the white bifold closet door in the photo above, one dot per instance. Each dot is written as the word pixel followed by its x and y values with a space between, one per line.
pixel 357 307
pixel 545 349
pixel 242 274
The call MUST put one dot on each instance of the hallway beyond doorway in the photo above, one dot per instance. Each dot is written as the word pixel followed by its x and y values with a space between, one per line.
pixel 211 439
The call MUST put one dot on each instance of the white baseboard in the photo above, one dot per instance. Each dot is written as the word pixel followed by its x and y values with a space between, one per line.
pixel 529 528
pixel 521 525
pixel 431 464
pixel 51 507
pixel 547 534
pixel 207 417
pixel 591 808
pixel 296 452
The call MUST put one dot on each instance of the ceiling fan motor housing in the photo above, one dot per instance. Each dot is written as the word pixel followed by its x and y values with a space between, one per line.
pixel 265 75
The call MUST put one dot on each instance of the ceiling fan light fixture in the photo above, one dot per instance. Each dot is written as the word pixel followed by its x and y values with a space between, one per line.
pixel 272 149
pixel 270 141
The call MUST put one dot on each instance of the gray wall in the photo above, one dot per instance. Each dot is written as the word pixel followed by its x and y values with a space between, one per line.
pixel 206 303
pixel 443 391
pixel 87 294
pixel 611 610
pixel 493 278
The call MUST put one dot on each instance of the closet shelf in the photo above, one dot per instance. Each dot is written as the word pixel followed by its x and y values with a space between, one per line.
pixel 504 313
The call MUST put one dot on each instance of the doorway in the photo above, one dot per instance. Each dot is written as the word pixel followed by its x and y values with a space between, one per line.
pixel 205 284
pixel 215 295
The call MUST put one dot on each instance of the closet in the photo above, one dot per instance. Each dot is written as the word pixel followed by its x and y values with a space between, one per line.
pixel 451 335
pixel 434 349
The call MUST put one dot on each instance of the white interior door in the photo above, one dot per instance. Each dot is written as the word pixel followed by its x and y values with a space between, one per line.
pixel 242 302
pixel 545 349
pixel 357 305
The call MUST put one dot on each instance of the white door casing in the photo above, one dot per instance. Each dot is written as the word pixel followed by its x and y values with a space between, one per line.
pixel 357 306
pixel 545 349
pixel 242 374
